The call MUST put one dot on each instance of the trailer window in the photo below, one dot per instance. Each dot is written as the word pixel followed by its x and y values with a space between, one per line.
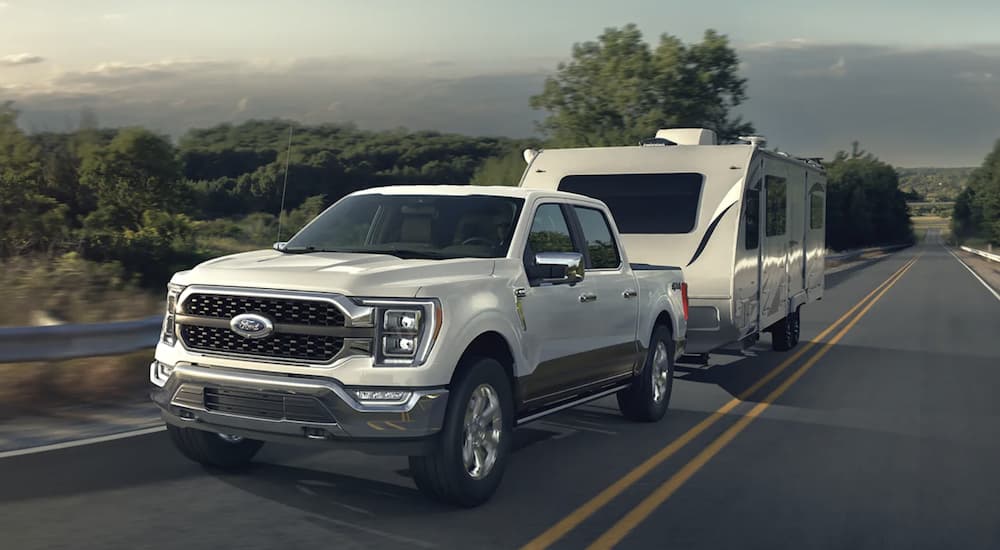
pixel 816 210
pixel 776 206
pixel 644 203
pixel 751 220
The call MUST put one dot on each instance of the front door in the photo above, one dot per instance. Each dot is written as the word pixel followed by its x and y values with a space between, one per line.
pixel 554 317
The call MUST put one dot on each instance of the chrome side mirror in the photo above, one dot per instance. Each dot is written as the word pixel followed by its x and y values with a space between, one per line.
pixel 279 246
pixel 558 268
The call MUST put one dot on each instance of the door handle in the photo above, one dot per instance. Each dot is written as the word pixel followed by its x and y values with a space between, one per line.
pixel 588 297
pixel 629 293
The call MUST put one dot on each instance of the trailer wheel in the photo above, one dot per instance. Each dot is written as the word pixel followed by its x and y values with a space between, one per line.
pixel 785 333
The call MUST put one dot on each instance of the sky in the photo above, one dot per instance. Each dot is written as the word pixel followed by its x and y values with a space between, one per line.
pixel 916 82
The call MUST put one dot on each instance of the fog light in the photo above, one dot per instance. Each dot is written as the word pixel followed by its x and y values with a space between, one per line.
pixel 382 395
pixel 166 370
pixel 400 346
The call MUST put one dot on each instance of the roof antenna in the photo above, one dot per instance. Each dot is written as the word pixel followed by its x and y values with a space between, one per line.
pixel 288 156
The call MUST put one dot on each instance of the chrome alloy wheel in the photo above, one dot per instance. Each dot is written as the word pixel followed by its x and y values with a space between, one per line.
pixel 660 371
pixel 482 431
pixel 230 438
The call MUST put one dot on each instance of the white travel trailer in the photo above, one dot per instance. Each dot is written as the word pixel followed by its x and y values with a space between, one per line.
pixel 746 224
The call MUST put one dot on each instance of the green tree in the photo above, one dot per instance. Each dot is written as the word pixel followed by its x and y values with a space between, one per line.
pixel 865 206
pixel 977 207
pixel 617 90
pixel 503 170
pixel 28 219
pixel 136 172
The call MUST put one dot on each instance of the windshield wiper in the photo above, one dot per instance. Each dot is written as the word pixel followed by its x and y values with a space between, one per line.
pixel 402 253
pixel 307 250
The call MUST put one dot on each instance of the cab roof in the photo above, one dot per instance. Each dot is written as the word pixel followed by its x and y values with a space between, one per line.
pixel 471 190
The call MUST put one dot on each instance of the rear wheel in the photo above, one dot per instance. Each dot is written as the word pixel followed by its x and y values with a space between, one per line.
pixel 785 333
pixel 646 400
pixel 214 449
pixel 473 448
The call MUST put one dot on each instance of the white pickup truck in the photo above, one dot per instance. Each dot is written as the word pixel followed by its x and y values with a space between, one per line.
pixel 418 321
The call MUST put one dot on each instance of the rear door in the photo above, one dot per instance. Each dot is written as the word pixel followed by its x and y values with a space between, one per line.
pixel 610 296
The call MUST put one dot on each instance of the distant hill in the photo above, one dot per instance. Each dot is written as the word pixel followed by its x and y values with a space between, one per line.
pixel 934 184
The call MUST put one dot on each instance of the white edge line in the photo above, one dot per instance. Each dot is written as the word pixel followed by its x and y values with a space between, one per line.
pixel 81 442
pixel 974 274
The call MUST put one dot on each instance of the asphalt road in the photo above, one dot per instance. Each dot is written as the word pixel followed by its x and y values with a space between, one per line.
pixel 884 433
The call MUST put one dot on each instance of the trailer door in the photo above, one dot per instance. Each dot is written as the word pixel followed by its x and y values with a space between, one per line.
pixel 797 209
pixel 774 253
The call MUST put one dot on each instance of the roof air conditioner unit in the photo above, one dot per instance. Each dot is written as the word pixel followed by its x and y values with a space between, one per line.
pixel 688 136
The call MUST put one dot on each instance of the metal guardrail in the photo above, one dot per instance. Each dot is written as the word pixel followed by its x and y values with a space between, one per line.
pixel 56 342
pixel 983 253
pixel 83 340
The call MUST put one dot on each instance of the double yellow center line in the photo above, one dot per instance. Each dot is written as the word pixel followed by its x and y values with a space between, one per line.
pixel 625 525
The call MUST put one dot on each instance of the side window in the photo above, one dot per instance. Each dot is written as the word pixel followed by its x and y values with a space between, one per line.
pixel 549 231
pixel 776 207
pixel 600 242
pixel 751 220
pixel 816 208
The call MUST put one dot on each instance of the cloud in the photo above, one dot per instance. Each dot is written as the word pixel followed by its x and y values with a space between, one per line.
pixel 910 106
pixel 931 106
pixel 839 68
pixel 790 44
pixel 972 76
pixel 14 60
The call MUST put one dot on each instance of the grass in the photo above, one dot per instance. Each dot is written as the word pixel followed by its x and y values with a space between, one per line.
pixel 70 290
pixel 30 387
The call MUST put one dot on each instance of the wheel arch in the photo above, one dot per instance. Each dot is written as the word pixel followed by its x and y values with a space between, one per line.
pixel 493 345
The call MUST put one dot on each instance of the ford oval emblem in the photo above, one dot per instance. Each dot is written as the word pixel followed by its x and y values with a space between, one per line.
pixel 251 325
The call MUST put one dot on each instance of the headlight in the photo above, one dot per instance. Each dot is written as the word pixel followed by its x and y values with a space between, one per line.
pixel 169 335
pixel 405 330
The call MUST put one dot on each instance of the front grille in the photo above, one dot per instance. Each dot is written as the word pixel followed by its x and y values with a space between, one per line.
pixel 280 310
pixel 267 405
pixel 278 345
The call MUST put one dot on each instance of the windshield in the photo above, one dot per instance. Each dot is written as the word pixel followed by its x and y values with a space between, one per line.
pixel 413 226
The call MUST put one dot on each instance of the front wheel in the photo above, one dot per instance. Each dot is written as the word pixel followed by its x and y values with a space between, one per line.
pixel 646 400
pixel 473 448
pixel 214 449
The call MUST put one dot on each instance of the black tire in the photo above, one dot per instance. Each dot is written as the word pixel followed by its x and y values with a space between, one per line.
pixel 641 401
pixel 211 449
pixel 785 333
pixel 796 326
pixel 443 475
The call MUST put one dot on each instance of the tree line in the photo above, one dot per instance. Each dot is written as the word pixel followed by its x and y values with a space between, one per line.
pixel 131 196
pixel 977 207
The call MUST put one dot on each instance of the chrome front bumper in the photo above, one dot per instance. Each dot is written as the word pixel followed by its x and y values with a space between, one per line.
pixel 294 409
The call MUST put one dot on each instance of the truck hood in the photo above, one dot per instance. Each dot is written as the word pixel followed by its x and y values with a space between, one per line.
pixel 376 275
